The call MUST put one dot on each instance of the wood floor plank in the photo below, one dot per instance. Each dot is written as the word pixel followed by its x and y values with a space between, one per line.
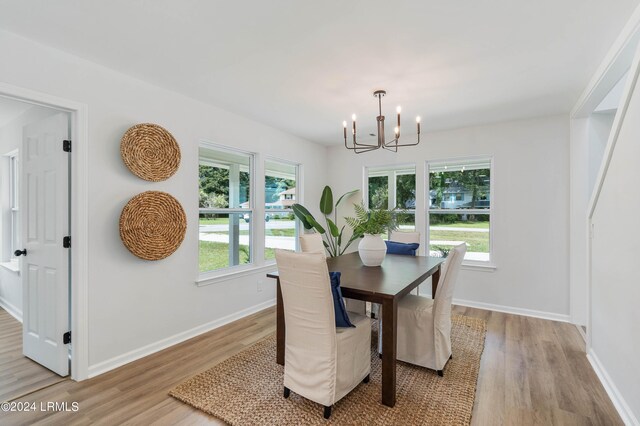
pixel 18 374
pixel 532 372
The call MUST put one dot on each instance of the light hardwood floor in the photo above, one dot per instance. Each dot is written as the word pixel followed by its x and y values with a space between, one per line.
pixel 533 372
pixel 18 374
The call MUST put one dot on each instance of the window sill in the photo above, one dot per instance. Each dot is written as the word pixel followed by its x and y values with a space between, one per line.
pixel 208 279
pixel 483 267
pixel 11 266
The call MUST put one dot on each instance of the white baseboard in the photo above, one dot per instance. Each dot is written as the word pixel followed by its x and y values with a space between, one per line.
pixel 618 401
pixel 120 360
pixel 11 309
pixel 581 331
pixel 512 310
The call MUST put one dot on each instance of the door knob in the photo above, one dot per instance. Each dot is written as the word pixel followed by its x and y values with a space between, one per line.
pixel 22 252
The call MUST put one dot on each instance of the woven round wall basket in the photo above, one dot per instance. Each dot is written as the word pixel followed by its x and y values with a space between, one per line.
pixel 150 152
pixel 153 225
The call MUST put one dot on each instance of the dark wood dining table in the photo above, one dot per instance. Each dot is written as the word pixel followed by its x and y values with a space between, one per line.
pixel 386 285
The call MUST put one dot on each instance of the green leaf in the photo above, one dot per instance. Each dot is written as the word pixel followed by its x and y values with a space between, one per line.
pixel 348 194
pixel 333 228
pixel 315 224
pixel 302 213
pixel 326 201
pixel 340 236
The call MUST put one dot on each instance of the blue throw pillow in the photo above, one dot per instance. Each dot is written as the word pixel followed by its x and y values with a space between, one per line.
pixel 394 247
pixel 342 319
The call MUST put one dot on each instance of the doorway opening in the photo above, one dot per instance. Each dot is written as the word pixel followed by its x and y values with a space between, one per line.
pixel 35 273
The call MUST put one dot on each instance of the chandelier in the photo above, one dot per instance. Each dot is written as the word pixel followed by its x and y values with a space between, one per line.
pixel 392 145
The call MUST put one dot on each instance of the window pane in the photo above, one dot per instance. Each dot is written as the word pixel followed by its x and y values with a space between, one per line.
pixel 378 192
pixel 406 190
pixel 463 185
pixel 224 240
pixel 449 230
pixel 224 179
pixel 279 185
pixel 279 233
pixel 406 221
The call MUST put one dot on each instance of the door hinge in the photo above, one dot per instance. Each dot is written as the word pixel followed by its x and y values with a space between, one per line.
pixel 66 145
pixel 66 242
pixel 66 338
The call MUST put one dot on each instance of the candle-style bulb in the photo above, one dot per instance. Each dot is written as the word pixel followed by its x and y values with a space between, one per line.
pixel 344 124
pixel 353 117
pixel 417 119
pixel 399 109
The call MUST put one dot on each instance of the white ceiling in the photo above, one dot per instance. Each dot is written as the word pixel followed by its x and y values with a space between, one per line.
pixel 304 66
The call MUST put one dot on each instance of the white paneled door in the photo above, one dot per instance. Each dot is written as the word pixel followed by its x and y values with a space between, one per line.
pixel 44 206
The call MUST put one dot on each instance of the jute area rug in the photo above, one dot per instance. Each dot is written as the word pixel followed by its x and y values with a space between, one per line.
pixel 246 389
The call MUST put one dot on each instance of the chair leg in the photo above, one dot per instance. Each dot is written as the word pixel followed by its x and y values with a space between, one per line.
pixel 327 412
pixel 441 373
pixel 287 392
pixel 366 379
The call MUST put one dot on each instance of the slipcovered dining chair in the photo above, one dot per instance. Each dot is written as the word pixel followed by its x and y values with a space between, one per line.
pixel 322 363
pixel 312 243
pixel 424 325
pixel 405 237
pixel 397 237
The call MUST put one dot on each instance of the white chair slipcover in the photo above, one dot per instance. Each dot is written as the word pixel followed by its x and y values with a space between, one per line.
pixel 322 363
pixel 312 243
pixel 398 237
pixel 405 237
pixel 424 325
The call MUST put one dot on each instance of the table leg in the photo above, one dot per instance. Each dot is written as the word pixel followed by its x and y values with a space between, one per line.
pixel 389 343
pixel 280 331
pixel 435 278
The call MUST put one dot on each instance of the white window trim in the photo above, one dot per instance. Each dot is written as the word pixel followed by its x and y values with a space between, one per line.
pixel 224 274
pixel 476 265
pixel 12 262
pixel 299 200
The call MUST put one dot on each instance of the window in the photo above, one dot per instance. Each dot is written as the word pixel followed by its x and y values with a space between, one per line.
pixel 14 202
pixel 460 206
pixel 280 228
pixel 10 210
pixel 394 187
pixel 226 208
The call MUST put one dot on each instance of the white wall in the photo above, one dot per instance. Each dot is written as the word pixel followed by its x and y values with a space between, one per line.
pixel 579 199
pixel 135 305
pixel 530 207
pixel 615 289
pixel 11 139
pixel 599 129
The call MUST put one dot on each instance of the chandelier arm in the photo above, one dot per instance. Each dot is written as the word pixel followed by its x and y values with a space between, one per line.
pixel 365 150
pixel 357 144
pixel 361 146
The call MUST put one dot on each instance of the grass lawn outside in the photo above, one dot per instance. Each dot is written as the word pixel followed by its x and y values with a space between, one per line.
pixel 477 241
pixel 482 225
pixel 215 256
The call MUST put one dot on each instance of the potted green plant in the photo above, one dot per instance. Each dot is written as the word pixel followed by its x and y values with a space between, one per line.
pixel 370 224
pixel 332 239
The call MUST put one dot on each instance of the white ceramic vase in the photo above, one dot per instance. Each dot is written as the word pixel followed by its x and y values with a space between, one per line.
pixel 372 250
